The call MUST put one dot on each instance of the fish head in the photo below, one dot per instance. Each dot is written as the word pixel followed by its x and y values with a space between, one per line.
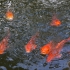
pixel 9 15
pixel 1 51
pixel 28 48
pixel 55 22
pixel 45 49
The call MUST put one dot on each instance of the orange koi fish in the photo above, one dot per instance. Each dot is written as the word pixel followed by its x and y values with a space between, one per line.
pixel 31 44
pixel 55 53
pixel 9 15
pixel 55 21
pixel 46 48
pixel 4 44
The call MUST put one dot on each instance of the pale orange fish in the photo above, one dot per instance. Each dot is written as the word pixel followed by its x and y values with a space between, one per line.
pixel 31 45
pixel 46 48
pixel 55 21
pixel 55 53
pixel 9 15
pixel 4 44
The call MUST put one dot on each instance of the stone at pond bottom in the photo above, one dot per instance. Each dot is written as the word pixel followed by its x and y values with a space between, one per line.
pixel 66 68
pixel 2 68
pixel 20 66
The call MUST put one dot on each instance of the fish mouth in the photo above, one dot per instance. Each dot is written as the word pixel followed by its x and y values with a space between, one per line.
pixel 27 51
pixel 44 53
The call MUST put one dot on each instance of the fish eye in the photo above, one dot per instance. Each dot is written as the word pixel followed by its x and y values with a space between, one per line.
pixel 48 50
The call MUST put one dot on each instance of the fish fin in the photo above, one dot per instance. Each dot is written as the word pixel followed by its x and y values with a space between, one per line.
pixel 52 44
pixel 68 39
pixel 59 56
pixel 34 46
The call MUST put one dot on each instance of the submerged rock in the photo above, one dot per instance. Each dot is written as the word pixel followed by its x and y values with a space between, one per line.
pixel 66 68
pixel 20 66
pixel 69 64
pixel 3 68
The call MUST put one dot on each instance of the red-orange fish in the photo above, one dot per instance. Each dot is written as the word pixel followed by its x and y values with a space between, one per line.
pixel 4 44
pixel 55 21
pixel 31 45
pixel 54 53
pixel 46 48
pixel 9 15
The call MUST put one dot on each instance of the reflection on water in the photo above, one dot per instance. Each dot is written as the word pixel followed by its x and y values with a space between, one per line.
pixel 32 16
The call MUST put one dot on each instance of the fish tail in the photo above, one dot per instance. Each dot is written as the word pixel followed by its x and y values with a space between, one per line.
pixel 34 37
pixel 68 39
pixel 6 38
pixel 61 44
pixel 37 34
pixel 8 35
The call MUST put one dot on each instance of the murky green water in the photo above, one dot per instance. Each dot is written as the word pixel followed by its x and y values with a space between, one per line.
pixel 32 16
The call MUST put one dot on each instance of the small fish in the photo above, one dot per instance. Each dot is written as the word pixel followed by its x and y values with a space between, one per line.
pixel 4 44
pixel 9 15
pixel 31 44
pixel 55 53
pixel 46 48
pixel 55 21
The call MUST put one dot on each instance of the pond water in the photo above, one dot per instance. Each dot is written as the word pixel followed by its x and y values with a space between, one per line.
pixel 31 16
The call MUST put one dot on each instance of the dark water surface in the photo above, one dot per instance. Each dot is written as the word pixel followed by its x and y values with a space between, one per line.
pixel 32 16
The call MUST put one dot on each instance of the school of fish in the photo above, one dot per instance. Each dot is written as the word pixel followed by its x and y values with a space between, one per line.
pixel 53 51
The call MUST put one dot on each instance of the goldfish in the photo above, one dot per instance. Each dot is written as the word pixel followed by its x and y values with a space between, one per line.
pixel 55 21
pixel 46 48
pixel 55 53
pixel 9 15
pixel 31 44
pixel 4 44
